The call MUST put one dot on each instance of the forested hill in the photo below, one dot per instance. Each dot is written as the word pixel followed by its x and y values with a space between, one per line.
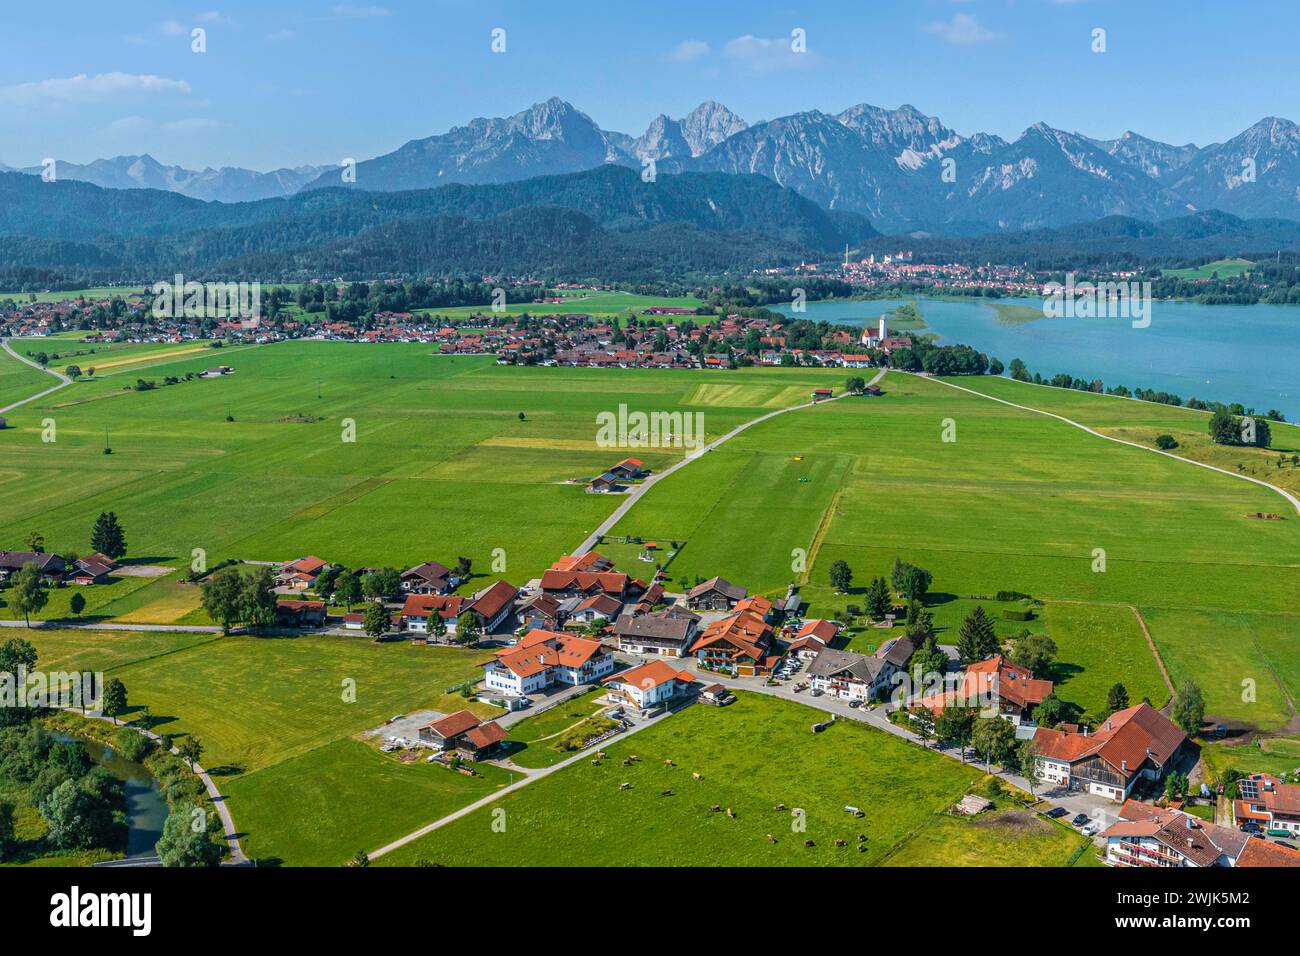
pixel 606 219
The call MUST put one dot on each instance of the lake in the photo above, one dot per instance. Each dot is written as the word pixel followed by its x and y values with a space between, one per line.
pixel 1228 353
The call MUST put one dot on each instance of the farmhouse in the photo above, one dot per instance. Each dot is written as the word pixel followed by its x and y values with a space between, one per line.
pixel 464 733
pixel 1138 743
pixel 300 574
pixel 429 578
pixel 715 594
pixel 848 675
pixel 604 484
pixel 628 468
pixel 812 638
pixel 51 566
pixel 492 604
pixel 594 608
pixel 544 658
pixel 821 394
pixel 650 684
pixel 1013 688
pixel 897 651
pixel 567 584
pixel 300 613
pixel 89 571
pixel 419 609
pixel 1266 800
pixel 540 612
pixel 667 633
pixel 741 642
pixel 591 561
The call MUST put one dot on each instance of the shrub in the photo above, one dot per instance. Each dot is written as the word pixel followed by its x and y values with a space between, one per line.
pixel 1017 614
pixel 1012 596
pixel 1166 442
pixel 132 744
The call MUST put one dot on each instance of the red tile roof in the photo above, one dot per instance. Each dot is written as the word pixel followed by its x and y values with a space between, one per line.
pixel 651 674
pixel 453 725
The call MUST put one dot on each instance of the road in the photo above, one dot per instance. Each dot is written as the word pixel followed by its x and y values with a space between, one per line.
pixel 1295 502
pixel 635 494
pixel 64 381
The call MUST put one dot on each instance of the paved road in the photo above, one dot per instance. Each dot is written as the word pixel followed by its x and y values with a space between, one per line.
pixel 63 379
pixel 237 857
pixel 635 494
pixel 1295 502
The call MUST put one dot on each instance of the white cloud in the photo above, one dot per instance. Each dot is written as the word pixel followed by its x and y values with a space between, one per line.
pixel 190 123
pixel 172 29
pixel 760 53
pixel 689 50
pixel 963 29
pixel 87 89
pixel 281 35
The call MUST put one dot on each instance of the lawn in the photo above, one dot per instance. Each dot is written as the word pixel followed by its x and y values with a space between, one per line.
pixel 752 756
pixel 1097 647
pixel 1275 755
pixel 536 736
pixel 1000 837
pixel 1223 268
pixel 320 808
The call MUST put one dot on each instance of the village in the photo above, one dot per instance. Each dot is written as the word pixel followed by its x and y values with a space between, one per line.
pixel 646 647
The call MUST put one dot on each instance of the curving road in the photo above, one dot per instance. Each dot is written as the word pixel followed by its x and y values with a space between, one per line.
pixel 641 489
pixel 1295 502
pixel 63 379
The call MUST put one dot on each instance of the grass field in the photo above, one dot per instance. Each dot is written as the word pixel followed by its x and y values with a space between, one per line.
pixel 441 465
pixel 753 755
pixel 277 716
pixel 1223 268
pixel 533 739
pixel 1097 646
pixel 1001 837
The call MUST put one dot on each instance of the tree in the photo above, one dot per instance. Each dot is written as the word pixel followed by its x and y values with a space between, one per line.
pixel 28 593
pixel 994 739
pixel 1018 370
pixel 377 620
pixel 923 724
pixel 223 598
pixel 954 726
pixel 841 576
pixel 347 589
pixel 1037 652
pixel 468 627
pixel 73 372
pixel 257 598
pixel 909 580
pixel 359 859
pixel 113 703
pixel 438 626
pixel 184 841
pixel 1189 708
pixel 78 603
pixel 77 819
pixel 1116 697
pixel 36 542
pixel 1027 757
pixel 7 839
pixel 1166 442
pixel 107 536
pixel 380 584
pixel 463 566
pixel 855 385
pixel 1223 428
pixel 977 639
pixel 878 599
pixel 1051 710
pixel 190 749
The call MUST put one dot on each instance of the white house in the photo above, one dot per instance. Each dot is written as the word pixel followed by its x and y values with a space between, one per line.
pixel 649 684
pixel 542 659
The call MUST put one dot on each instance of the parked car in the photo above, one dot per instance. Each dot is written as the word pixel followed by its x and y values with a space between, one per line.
pixel 1289 846
pixel 1057 812
pixel 1091 829
pixel 1251 827
pixel 1079 820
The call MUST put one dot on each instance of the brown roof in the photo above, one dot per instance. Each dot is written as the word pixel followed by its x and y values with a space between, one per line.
pixel 1262 853
pixel 485 735
pixel 611 582
pixel 733 592
pixel 493 598
pixel 651 674
pixel 453 725
pixel 1124 740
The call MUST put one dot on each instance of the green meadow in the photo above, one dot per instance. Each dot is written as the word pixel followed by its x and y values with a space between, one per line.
pixel 441 465
pixel 1223 268
pixel 280 721
pixel 752 756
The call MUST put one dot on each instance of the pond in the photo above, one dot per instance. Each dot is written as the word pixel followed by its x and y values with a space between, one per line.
pixel 146 807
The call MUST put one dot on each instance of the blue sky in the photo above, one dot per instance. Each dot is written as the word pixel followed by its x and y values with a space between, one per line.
pixel 285 82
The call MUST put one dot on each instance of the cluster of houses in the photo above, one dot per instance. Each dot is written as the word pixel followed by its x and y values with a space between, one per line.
pixel 56 570
pixel 1151 836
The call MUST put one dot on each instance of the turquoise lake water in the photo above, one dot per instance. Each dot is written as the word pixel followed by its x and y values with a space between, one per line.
pixel 1229 353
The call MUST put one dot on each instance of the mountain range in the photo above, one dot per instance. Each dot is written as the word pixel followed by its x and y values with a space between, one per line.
pixel 905 171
